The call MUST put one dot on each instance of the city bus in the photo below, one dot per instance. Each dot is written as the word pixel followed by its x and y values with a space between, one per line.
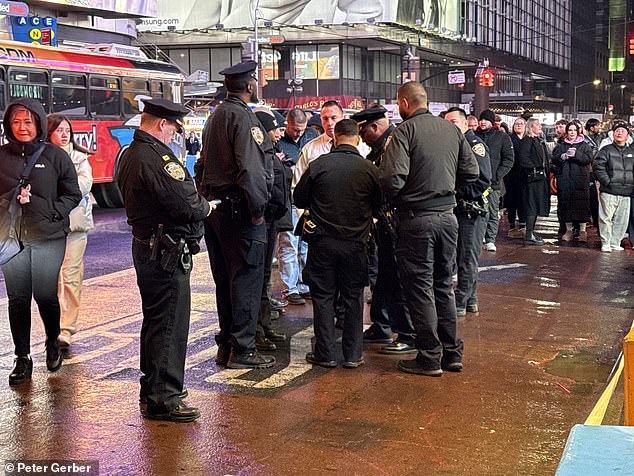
pixel 98 88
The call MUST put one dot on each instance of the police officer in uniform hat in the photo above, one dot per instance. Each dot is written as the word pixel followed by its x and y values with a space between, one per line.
pixel 472 211
pixel 237 168
pixel 166 214
pixel 388 311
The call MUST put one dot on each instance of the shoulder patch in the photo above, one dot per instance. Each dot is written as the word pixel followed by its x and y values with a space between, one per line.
pixel 257 134
pixel 479 149
pixel 175 171
pixel 166 158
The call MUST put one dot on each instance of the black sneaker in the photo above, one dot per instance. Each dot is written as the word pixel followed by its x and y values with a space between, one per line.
pixel 295 299
pixel 412 367
pixel 275 336
pixel 180 414
pixel 22 370
pixel 398 348
pixel 53 355
pixel 250 360
pixel 374 336
pixel 278 304
pixel 453 367
pixel 263 344
pixel 311 359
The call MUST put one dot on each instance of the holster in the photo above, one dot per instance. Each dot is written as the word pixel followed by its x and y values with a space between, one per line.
pixel 172 251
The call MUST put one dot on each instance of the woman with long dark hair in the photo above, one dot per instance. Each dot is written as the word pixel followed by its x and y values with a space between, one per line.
pixel 60 133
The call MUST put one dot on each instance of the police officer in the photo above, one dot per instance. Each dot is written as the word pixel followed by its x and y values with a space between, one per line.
pixel 471 213
pixel 387 311
pixel 425 160
pixel 240 173
pixel 341 191
pixel 166 214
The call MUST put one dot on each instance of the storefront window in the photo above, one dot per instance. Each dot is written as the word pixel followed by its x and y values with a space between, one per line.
pixel 328 62
pixel 305 59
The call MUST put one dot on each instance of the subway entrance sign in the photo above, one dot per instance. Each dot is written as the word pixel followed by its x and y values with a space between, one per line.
pixel 37 30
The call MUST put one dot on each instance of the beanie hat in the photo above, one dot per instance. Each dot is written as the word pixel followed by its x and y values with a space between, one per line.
pixel 267 120
pixel 620 124
pixel 488 115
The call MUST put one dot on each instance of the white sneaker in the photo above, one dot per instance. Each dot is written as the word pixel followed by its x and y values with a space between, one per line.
pixel 490 247
pixel 617 248
pixel 606 248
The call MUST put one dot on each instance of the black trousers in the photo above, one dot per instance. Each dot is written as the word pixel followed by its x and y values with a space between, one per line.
pixel 470 235
pixel 33 274
pixel 388 311
pixel 337 267
pixel 426 254
pixel 264 317
pixel 166 303
pixel 236 254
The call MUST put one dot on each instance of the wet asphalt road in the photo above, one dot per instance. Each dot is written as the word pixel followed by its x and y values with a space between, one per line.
pixel 536 358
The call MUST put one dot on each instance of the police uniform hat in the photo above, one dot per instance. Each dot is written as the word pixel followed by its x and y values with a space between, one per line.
pixel 368 116
pixel 268 121
pixel 166 110
pixel 239 71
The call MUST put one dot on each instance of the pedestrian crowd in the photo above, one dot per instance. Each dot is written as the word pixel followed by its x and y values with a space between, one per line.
pixel 340 202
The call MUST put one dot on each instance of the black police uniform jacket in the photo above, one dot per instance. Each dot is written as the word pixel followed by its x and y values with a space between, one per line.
pixel 377 149
pixel 54 188
pixel 501 153
pixel 341 189
pixel 425 160
pixel 238 155
pixel 157 189
pixel 481 153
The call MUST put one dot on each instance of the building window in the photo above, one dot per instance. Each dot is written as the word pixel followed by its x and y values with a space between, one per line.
pixel 328 57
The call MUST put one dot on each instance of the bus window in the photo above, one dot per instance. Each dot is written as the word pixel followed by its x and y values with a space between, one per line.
pixel 133 91
pixel 157 89
pixel 29 84
pixel 105 96
pixel 69 93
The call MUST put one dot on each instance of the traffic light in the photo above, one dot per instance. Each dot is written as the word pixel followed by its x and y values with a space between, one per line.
pixel 631 41
pixel 487 78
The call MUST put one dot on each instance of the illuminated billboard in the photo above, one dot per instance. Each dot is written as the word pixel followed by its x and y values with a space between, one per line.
pixel 144 8
pixel 203 14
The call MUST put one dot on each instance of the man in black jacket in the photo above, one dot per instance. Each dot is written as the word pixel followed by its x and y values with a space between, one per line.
pixel 388 311
pixel 502 158
pixel 425 160
pixel 166 215
pixel 240 173
pixel 341 190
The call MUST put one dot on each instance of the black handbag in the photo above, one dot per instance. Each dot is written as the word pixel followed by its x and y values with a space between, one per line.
pixel 11 214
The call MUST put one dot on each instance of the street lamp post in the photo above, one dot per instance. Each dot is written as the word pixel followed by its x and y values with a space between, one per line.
pixel 622 105
pixel 596 82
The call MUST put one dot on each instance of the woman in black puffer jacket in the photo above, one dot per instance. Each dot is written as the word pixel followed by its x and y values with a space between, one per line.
pixel 48 197
pixel 572 159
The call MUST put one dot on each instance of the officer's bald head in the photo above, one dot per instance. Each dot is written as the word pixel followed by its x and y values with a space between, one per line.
pixel 411 96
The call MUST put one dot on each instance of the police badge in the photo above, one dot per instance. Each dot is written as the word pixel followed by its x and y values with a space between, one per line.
pixel 258 135
pixel 479 149
pixel 175 171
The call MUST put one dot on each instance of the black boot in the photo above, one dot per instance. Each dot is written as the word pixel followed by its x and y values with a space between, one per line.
pixel 53 355
pixel 22 371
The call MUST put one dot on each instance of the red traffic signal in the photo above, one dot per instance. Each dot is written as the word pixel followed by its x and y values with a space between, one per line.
pixel 487 78
pixel 631 44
